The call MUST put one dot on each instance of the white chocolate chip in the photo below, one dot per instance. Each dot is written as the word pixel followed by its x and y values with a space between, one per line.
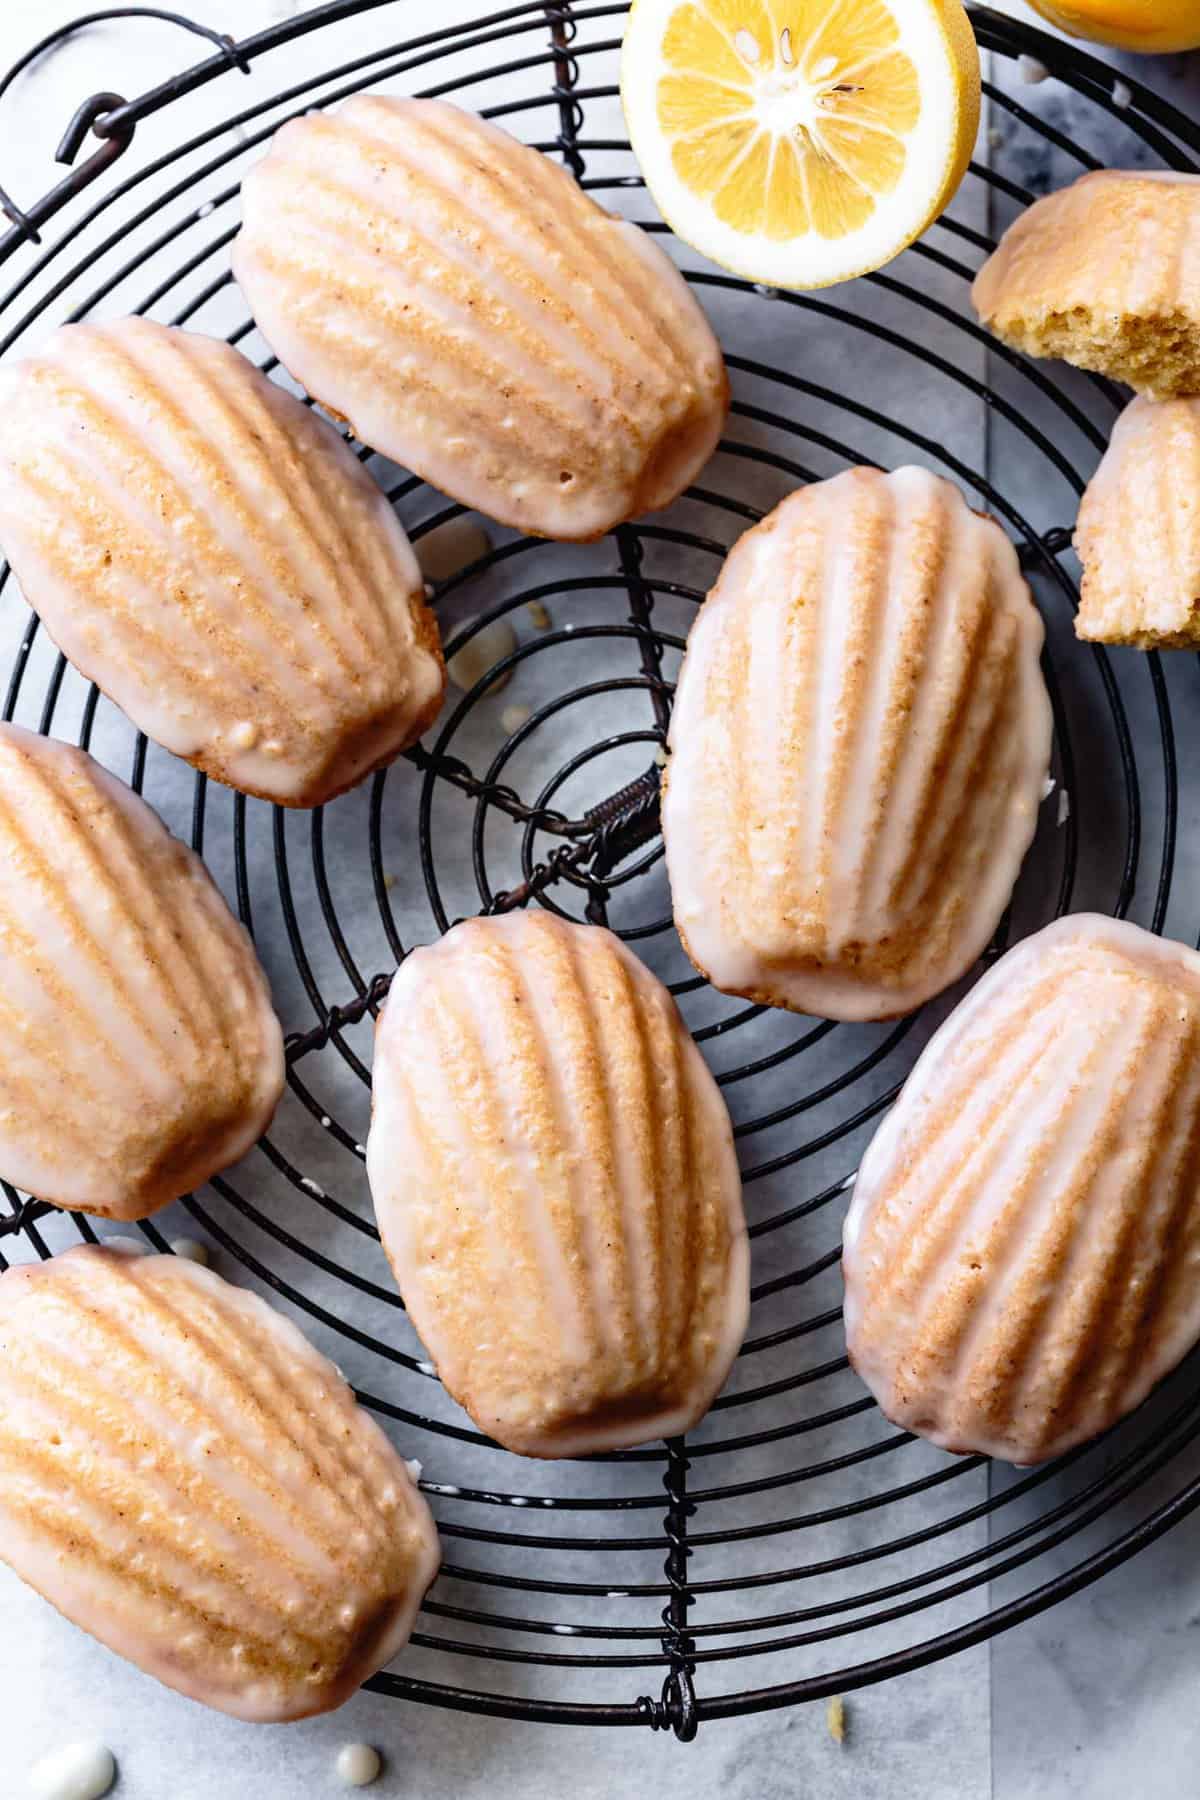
pixel 76 1772
pixel 450 547
pixel 358 1765
pixel 512 719
pixel 488 646
pixel 128 1246
pixel 191 1250
pixel 1031 71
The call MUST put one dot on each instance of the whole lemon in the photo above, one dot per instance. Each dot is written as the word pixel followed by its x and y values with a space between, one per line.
pixel 1150 26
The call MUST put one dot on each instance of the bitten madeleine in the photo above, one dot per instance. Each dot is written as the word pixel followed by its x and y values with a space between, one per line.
pixel 184 1476
pixel 1106 274
pixel 1138 531
pixel 860 741
pixel 139 1053
pixel 474 315
pixel 214 557
pixel 555 1182
pixel 1022 1247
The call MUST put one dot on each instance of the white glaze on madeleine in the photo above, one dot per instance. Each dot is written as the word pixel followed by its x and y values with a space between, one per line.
pixel 860 740
pixel 185 1477
pixel 1138 531
pixel 554 1177
pixel 210 553
pixel 139 1053
pixel 1022 1252
pixel 476 316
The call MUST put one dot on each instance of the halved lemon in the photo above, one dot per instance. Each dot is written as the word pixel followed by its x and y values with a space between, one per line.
pixel 800 142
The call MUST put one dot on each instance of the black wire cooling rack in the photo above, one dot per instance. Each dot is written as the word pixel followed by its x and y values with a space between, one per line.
pixel 807 1545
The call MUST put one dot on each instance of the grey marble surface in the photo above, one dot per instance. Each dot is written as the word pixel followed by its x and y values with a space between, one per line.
pixel 1096 1697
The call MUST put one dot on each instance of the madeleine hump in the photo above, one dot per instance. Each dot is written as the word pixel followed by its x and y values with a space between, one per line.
pixel 555 1182
pixel 477 317
pixel 859 746
pixel 1105 274
pixel 211 554
pixel 186 1478
pixel 140 1053
pixel 1022 1252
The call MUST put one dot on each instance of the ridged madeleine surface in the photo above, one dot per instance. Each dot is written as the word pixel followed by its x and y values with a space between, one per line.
pixel 860 741
pixel 139 1052
pixel 1106 274
pixel 462 302
pixel 1138 532
pixel 555 1182
pixel 1022 1253
pixel 214 557
pixel 185 1477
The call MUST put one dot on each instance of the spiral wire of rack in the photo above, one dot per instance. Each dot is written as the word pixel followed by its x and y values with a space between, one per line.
pixel 519 1615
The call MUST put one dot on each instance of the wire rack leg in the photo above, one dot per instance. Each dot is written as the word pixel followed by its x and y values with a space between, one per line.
pixel 641 603
pixel 676 1708
pixel 566 77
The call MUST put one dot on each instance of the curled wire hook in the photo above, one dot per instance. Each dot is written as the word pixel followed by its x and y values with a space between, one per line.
pixel 91 116
pixel 219 39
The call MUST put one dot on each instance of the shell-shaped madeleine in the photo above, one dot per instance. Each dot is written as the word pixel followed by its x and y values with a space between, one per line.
pixel 139 1052
pixel 554 1177
pixel 1106 274
pixel 214 557
pixel 462 302
pixel 1022 1253
pixel 185 1477
pixel 859 745
pixel 1138 531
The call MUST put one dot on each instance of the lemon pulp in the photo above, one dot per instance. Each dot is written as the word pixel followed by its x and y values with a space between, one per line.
pixel 787 118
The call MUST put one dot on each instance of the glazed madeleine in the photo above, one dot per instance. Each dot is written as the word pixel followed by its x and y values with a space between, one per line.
pixel 1022 1245
pixel 139 1052
pixel 462 302
pixel 860 741
pixel 555 1182
pixel 1138 531
pixel 1106 274
pixel 185 1477
pixel 215 558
